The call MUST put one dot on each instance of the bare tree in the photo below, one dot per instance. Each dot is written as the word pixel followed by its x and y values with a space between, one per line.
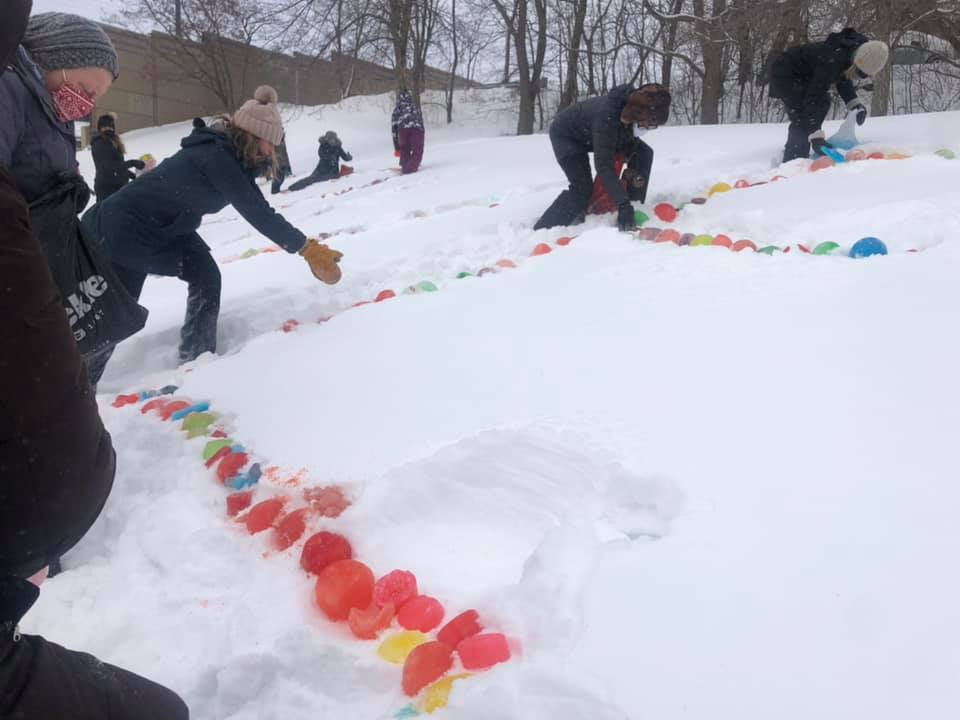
pixel 530 59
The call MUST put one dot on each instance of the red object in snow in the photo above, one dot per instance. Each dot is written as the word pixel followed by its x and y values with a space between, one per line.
pixel 290 528
pixel 367 624
pixel 290 325
pixel 741 184
pixel 665 212
pixel 262 515
pixel 600 203
pixel 218 456
pixel 328 501
pixel 155 404
pixel 342 586
pixel 123 400
pixel 723 241
pixel 218 434
pixel 395 588
pixel 803 248
pixel 422 613
pixel 238 502
pixel 483 651
pixel 172 407
pixel 505 263
pixel 384 295
pixel 425 664
pixel 345 170
pixel 466 624
pixel 231 465
pixel 322 550
pixel 744 245
pixel 669 235
pixel 541 249
pixel 564 241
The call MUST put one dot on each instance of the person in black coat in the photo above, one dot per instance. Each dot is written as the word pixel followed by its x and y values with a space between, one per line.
pixel 330 151
pixel 113 172
pixel 150 226
pixel 283 169
pixel 56 470
pixel 802 76
pixel 607 126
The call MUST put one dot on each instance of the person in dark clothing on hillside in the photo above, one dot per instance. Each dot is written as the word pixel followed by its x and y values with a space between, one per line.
pixel 283 169
pixel 113 172
pixel 801 77
pixel 56 470
pixel 199 123
pixel 330 151
pixel 150 226
pixel 608 126
pixel 408 133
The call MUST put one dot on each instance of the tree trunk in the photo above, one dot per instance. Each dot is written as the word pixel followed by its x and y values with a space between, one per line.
pixel 569 95
pixel 666 71
pixel 456 60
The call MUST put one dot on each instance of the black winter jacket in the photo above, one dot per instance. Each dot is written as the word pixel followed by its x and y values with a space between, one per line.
pixel 801 76
pixel 594 126
pixel 113 172
pixel 145 225
pixel 330 155
pixel 56 458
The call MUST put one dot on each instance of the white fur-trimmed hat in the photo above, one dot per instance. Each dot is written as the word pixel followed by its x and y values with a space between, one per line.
pixel 871 57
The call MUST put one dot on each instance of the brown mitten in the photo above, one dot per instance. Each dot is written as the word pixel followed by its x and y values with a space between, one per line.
pixel 322 261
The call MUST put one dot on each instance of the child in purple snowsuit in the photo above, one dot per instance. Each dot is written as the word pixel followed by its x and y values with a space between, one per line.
pixel 408 133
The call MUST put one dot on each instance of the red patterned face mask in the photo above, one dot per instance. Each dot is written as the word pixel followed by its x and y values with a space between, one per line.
pixel 70 102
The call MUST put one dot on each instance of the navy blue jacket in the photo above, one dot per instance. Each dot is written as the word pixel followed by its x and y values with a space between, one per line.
pixel 328 166
pixel 146 224
pixel 35 146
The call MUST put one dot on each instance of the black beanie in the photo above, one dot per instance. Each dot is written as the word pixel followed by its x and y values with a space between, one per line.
pixel 108 120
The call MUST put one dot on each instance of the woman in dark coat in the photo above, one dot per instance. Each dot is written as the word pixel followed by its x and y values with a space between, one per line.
pixel 329 153
pixel 65 63
pixel 150 226
pixel 113 172
pixel 408 133
pixel 802 76
pixel 607 126
pixel 56 470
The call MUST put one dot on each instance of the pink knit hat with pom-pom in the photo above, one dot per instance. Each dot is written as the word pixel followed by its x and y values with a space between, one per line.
pixel 260 117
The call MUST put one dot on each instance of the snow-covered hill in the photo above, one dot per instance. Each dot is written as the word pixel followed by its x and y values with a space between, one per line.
pixel 687 482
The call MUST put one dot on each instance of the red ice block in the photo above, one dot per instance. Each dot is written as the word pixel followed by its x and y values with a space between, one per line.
pixel 483 651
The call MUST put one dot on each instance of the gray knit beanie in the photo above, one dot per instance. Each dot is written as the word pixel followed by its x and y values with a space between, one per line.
pixel 59 41
pixel 260 116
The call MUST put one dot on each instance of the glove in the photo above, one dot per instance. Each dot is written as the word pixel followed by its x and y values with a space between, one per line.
pixel 818 143
pixel 626 221
pixel 634 179
pixel 861 110
pixel 347 156
pixel 322 261
pixel 138 164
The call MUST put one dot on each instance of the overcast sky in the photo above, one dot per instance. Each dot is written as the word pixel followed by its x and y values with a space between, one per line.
pixel 95 9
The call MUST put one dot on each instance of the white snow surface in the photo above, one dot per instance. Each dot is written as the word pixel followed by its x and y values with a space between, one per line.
pixel 687 483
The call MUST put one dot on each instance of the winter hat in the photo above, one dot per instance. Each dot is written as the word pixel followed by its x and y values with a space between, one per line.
pixel 16 13
pixel 648 105
pixel 330 137
pixel 107 120
pixel 199 123
pixel 260 117
pixel 59 41
pixel 871 57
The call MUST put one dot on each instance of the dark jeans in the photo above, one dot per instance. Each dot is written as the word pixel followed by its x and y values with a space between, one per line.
pixel 199 333
pixel 570 205
pixel 312 178
pixel 277 183
pixel 411 149
pixel 798 142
